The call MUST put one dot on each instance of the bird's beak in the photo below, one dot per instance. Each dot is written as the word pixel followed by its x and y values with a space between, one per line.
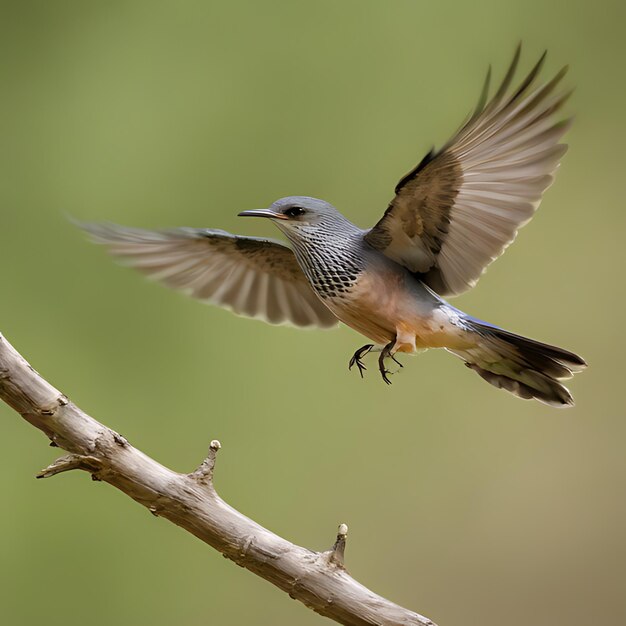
pixel 263 213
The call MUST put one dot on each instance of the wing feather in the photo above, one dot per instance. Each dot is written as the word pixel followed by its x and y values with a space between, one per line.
pixel 462 206
pixel 254 277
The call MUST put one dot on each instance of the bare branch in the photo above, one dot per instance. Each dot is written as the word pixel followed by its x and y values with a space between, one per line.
pixel 317 579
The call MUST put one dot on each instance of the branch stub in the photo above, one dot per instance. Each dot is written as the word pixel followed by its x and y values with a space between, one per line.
pixel 336 553
pixel 204 474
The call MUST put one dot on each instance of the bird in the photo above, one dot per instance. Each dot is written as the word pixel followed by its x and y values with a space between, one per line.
pixel 451 216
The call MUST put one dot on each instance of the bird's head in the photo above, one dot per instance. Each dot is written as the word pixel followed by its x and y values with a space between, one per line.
pixel 301 217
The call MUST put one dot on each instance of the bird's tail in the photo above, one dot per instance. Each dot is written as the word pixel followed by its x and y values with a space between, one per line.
pixel 522 366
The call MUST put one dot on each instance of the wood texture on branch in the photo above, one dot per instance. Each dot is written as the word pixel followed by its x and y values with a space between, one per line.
pixel 317 579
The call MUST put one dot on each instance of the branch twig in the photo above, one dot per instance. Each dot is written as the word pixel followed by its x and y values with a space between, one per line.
pixel 317 579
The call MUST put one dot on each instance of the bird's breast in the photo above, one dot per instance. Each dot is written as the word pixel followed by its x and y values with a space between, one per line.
pixel 371 305
pixel 390 304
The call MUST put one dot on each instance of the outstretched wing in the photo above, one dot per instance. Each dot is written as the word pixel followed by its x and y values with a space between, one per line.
pixel 249 276
pixel 462 206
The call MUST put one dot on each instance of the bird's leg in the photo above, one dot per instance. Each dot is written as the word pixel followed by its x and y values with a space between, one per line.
pixel 358 356
pixel 387 352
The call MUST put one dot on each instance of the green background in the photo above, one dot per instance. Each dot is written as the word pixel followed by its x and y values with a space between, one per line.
pixel 463 503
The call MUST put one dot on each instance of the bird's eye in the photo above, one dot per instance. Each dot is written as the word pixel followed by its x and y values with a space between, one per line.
pixel 294 211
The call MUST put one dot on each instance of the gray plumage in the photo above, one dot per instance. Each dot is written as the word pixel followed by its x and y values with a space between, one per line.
pixel 250 276
pixel 451 216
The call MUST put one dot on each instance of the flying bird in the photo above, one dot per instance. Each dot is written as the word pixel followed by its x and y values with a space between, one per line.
pixel 451 216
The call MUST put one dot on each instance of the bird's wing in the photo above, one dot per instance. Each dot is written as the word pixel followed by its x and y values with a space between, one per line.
pixel 254 277
pixel 462 206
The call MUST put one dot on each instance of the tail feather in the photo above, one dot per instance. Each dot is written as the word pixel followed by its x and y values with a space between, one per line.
pixel 522 366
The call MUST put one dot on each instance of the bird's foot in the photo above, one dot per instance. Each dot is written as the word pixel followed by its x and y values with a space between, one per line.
pixel 386 352
pixel 357 358
pixel 383 373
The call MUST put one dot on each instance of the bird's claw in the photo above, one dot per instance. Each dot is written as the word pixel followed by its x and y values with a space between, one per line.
pixel 357 358
pixel 393 358
pixel 385 353
pixel 384 373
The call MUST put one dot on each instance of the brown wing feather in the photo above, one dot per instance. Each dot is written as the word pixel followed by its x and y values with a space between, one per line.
pixel 249 276
pixel 460 207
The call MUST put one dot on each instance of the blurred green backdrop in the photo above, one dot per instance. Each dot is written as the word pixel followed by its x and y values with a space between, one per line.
pixel 463 503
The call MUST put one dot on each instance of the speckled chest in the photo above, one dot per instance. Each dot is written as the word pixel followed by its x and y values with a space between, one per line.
pixel 331 265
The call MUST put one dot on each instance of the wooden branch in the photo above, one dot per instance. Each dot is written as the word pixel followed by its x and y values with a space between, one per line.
pixel 317 579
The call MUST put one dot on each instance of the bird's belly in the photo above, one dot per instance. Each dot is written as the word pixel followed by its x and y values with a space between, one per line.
pixel 392 306
pixel 367 320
